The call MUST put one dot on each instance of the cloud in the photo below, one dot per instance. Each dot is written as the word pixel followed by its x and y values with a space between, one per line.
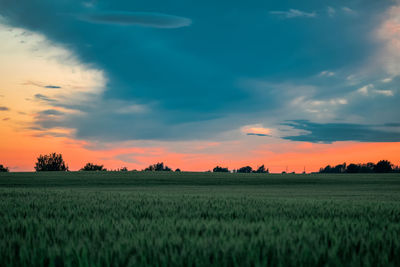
pixel 43 97
pixel 256 129
pixel 388 32
pixel 384 92
pixel 146 19
pixel 333 132
pixel 2 108
pixel 294 13
pixel 369 89
pixel 42 85
pixel 52 87
pixel 53 112
pixel 184 85
pixel 348 10
pixel 327 73
pixel 331 11
pixel 365 89
pixel 256 134
pixel 387 80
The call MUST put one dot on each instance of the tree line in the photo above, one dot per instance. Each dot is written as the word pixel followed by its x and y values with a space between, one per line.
pixel 55 162
pixel 382 166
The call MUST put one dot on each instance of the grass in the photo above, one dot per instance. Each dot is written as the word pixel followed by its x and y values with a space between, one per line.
pixel 199 219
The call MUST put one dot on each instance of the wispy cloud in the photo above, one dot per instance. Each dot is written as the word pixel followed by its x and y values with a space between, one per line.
pixel 256 129
pixel 256 134
pixel 327 73
pixel 43 97
pixel 369 89
pixel 348 10
pixel 294 13
pixel 50 86
pixel 331 11
pixel 146 19
pixel 53 112
pixel 2 108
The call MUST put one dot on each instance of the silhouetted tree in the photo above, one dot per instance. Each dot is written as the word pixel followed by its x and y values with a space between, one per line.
pixel 337 169
pixel 93 167
pixel 50 162
pixel 3 168
pixel 383 166
pixel 178 170
pixel 159 166
pixel 123 169
pixel 367 167
pixel 261 169
pixel 246 169
pixel 396 169
pixel 220 169
pixel 353 168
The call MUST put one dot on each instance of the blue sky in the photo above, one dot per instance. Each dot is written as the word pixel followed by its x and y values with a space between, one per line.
pixel 315 71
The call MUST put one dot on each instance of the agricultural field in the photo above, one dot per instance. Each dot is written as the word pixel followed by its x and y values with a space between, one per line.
pixel 199 219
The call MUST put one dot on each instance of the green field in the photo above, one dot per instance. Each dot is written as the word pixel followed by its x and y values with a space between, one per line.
pixel 199 219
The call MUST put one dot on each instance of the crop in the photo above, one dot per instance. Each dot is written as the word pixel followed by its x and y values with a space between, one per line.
pixel 189 219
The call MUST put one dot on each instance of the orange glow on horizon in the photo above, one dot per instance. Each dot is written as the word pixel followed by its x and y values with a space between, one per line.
pixel 20 151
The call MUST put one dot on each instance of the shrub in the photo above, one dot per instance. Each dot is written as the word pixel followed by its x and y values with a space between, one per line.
pixel 353 168
pixel 3 168
pixel 93 167
pixel 246 169
pixel 383 166
pixel 261 169
pixel 50 162
pixel 159 166
pixel 220 169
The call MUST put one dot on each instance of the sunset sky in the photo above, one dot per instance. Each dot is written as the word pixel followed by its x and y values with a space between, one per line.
pixel 195 84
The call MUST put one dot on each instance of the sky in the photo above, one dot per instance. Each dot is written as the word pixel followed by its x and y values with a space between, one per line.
pixel 292 85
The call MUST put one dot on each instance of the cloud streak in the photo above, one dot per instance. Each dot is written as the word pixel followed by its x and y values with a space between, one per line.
pixel 50 86
pixel 294 13
pixel 44 98
pixel 145 19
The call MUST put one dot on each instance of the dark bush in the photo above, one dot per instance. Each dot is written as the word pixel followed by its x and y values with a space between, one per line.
pixel 353 168
pixel 246 169
pixel 261 169
pixel 3 168
pixel 50 162
pixel 220 169
pixel 159 166
pixel 337 169
pixel 93 167
pixel 178 170
pixel 383 166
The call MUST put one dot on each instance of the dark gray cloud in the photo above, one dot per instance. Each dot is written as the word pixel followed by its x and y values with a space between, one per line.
pixel 333 132
pixel 146 19
pixel 2 108
pixel 52 86
pixel 258 134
